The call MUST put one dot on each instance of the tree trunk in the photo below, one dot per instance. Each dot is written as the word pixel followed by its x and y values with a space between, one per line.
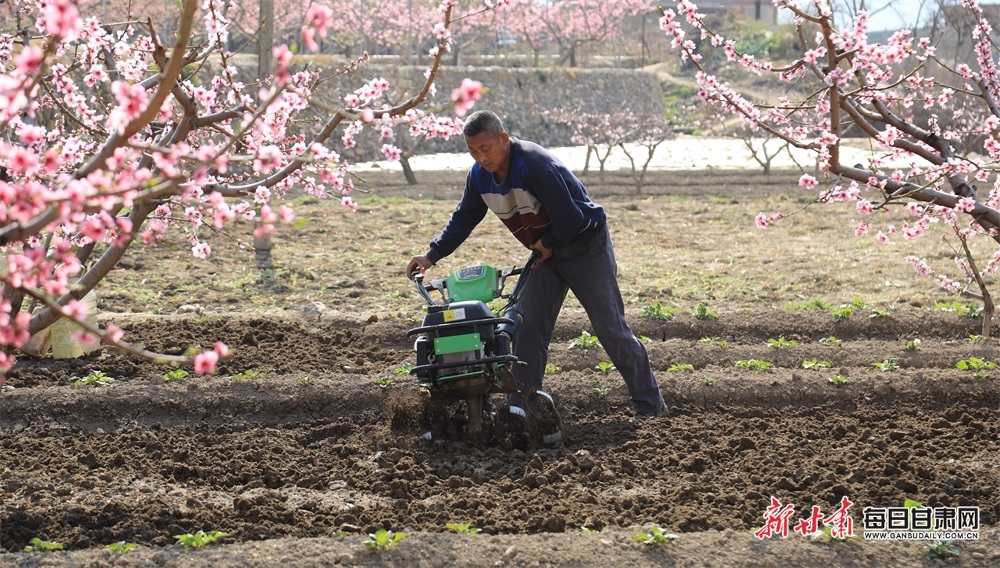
pixel 265 42
pixel 411 178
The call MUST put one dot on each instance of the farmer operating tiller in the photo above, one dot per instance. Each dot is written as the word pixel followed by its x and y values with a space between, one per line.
pixel 548 210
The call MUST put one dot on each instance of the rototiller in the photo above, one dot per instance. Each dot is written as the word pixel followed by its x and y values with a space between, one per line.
pixel 465 351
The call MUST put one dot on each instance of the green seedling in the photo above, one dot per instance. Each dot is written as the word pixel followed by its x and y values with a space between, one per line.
pixel 703 312
pixel 383 539
pixel 941 549
pixel 248 374
pixel 975 364
pixel 858 304
pixel 658 311
pixel 912 345
pixel 708 381
pixel 911 503
pixel 384 382
pixel 681 368
pixel 121 547
pixel 602 392
pixel 605 367
pixel 38 545
pixel 948 306
pixel 815 304
pixel 585 341
pixel 644 339
pixel 826 535
pixel 782 343
pixel 550 368
pixel 337 534
pixel 403 369
pixel 839 380
pixel 974 312
pixel 94 379
pixel 586 530
pixel 832 340
pixel 655 537
pixel 968 310
pixel 462 528
pixel 754 364
pixel 878 313
pixel 713 341
pixel 843 313
pixel 815 364
pixel 973 338
pixel 199 539
pixel 306 380
pixel 887 365
pixel 175 375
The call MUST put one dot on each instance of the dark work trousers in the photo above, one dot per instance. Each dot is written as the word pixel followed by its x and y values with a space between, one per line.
pixel 587 267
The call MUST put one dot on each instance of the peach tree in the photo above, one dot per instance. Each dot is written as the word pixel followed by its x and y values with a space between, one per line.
pixel 114 135
pixel 933 125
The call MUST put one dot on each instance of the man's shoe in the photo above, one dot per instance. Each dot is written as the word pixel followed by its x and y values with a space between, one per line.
pixel 544 422
pixel 640 417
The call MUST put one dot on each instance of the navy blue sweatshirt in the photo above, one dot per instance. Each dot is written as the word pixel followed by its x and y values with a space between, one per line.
pixel 539 198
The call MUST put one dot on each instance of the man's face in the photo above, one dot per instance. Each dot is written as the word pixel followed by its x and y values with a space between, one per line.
pixel 491 151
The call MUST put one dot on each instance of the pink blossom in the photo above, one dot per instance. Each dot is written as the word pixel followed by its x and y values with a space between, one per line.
pixel 318 20
pixel 75 309
pixel 965 205
pixel 268 158
pixel 761 221
pixel 30 59
pixel 391 153
pixel 201 250
pixel 113 332
pixel 920 265
pixel 807 181
pixel 441 32
pixel 205 362
pixel 62 19
pixel 262 195
pixel 466 95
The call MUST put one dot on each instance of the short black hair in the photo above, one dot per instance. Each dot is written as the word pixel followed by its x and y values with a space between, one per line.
pixel 483 121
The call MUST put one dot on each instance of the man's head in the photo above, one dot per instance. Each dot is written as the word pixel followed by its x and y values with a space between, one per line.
pixel 488 142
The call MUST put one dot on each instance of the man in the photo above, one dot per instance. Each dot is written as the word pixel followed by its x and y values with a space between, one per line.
pixel 547 209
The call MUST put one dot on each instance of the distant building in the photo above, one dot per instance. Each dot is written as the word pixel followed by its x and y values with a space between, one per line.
pixel 762 10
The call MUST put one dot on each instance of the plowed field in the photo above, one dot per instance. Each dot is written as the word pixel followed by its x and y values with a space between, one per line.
pixel 297 451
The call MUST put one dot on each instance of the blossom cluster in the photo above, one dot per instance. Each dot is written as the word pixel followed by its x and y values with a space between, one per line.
pixel 932 137
pixel 111 137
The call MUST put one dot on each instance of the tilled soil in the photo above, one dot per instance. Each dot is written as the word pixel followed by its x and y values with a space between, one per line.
pixel 297 451
pixel 313 444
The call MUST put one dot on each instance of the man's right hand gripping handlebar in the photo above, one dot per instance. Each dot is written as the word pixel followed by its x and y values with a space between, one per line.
pixel 417 265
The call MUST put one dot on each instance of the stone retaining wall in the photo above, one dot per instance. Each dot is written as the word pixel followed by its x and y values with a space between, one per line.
pixel 519 95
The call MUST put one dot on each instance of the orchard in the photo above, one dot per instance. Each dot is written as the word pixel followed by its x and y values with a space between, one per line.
pixel 231 280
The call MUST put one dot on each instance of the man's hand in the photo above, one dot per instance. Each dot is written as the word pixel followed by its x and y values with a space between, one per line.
pixel 543 251
pixel 419 262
